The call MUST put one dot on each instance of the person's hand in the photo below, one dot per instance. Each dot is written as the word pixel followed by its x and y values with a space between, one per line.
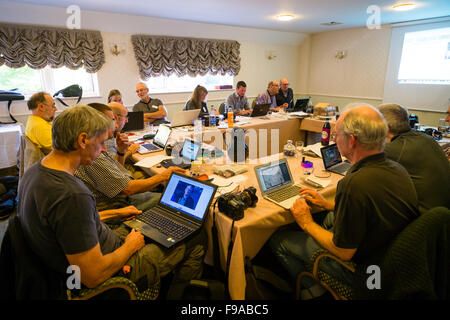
pixel 133 148
pixel 166 173
pixel 302 213
pixel 285 105
pixel 134 240
pixel 122 142
pixel 314 197
pixel 128 212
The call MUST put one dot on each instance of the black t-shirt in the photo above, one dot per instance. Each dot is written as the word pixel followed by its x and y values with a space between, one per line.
pixel 59 216
pixel 289 98
pixel 374 202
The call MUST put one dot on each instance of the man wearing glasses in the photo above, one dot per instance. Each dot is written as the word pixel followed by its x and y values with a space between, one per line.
pixel 285 96
pixel 268 96
pixel 154 110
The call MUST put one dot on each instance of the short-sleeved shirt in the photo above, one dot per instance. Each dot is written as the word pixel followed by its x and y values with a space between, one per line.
pixel 106 178
pixel 150 107
pixel 427 165
pixel 285 97
pixel 39 131
pixel 237 102
pixel 59 216
pixel 265 98
pixel 374 202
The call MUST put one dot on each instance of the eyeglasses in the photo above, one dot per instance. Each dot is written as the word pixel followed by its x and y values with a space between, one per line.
pixel 285 84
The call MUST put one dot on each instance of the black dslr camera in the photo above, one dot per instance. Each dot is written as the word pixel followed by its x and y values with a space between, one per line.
pixel 234 204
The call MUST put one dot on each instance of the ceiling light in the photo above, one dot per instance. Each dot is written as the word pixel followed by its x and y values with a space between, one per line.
pixel 405 6
pixel 285 17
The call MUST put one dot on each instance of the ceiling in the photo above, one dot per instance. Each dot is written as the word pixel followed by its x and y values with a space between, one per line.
pixel 309 14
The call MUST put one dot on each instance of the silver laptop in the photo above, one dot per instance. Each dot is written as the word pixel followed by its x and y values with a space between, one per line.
pixel 180 212
pixel 276 183
pixel 332 160
pixel 184 118
pixel 159 141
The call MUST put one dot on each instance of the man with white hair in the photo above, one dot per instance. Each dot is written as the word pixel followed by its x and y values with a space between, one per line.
pixel 154 110
pixel 421 156
pixel 367 214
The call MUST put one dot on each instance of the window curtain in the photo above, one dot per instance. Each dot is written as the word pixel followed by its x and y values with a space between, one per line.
pixel 161 55
pixel 38 46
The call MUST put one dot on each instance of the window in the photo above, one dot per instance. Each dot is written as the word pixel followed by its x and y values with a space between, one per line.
pixel 174 83
pixel 50 80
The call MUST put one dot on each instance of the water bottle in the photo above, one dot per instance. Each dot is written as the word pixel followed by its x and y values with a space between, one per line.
pixel 212 117
pixel 310 106
pixel 230 117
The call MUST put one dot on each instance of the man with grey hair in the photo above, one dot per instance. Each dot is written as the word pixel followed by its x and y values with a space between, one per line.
pixel 62 226
pixel 154 110
pixel 367 214
pixel 421 156
pixel 269 96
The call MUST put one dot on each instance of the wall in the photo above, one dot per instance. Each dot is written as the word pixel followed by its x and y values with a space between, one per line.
pixel 121 72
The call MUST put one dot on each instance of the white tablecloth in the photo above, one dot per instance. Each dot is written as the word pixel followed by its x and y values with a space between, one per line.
pixel 9 144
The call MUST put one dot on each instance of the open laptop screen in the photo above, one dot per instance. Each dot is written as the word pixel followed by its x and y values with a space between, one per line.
pixel 188 196
pixel 135 121
pixel 190 150
pixel 330 155
pixel 273 175
pixel 162 135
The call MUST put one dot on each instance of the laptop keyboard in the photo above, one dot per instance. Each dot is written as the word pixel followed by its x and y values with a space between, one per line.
pixel 285 193
pixel 164 225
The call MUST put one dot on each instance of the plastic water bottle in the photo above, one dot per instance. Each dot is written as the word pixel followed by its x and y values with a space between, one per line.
pixel 212 117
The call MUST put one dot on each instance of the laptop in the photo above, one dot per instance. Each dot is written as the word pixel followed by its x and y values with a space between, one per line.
pixel 260 110
pixel 300 105
pixel 179 213
pixel 189 153
pixel 159 141
pixel 276 183
pixel 184 118
pixel 332 160
pixel 135 121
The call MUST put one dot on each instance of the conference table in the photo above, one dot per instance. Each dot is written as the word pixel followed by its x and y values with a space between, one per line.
pixel 252 231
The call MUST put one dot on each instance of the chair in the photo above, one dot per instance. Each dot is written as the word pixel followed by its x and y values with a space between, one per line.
pixel 415 265
pixel 24 276
pixel 222 108
pixel 28 154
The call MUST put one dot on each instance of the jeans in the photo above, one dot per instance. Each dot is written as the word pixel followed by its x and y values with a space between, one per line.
pixel 145 200
pixel 294 248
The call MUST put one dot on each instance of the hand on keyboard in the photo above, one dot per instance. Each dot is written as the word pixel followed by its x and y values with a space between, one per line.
pixel 314 197
pixel 166 173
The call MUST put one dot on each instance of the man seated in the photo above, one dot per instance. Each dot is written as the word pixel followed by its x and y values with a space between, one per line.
pixel 269 96
pixel 285 96
pixel 238 101
pixel 113 186
pixel 39 124
pixel 368 214
pixel 154 110
pixel 62 226
pixel 421 156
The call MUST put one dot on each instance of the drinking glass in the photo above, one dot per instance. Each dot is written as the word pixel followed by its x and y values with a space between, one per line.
pixel 298 149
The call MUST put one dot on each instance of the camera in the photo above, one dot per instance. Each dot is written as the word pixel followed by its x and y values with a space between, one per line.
pixel 234 204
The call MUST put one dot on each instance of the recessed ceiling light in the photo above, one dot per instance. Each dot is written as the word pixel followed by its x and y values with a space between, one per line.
pixel 405 6
pixel 285 17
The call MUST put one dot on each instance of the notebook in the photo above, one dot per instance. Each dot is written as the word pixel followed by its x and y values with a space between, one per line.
pixel 135 121
pixel 276 183
pixel 332 160
pixel 189 153
pixel 260 110
pixel 159 140
pixel 183 118
pixel 300 105
pixel 180 212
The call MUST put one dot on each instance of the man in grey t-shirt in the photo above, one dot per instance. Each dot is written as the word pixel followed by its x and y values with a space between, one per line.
pixel 154 110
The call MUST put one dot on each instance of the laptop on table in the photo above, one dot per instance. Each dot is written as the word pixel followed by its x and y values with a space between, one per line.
pixel 189 153
pixel 332 160
pixel 159 141
pixel 180 212
pixel 300 105
pixel 260 110
pixel 276 183
pixel 135 121
pixel 184 118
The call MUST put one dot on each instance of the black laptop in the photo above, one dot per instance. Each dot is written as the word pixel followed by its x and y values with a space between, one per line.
pixel 180 213
pixel 300 105
pixel 332 160
pixel 260 110
pixel 189 153
pixel 135 121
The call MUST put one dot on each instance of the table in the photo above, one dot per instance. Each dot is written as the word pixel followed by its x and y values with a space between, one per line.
pixel 9 144
pixel 314 125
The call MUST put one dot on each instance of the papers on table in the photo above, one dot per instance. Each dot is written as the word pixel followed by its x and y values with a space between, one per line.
pixel 314 148
pixel 149 162
pixel 226 185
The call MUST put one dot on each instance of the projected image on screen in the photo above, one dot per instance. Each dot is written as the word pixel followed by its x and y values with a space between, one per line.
pixel 426 57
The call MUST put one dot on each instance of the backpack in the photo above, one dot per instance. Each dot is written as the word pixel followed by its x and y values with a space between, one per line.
pixel 8 194
pixel 74 90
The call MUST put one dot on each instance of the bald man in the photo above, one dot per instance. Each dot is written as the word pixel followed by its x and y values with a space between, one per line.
pixel 285 96
pixel 367 214
pixel 154 110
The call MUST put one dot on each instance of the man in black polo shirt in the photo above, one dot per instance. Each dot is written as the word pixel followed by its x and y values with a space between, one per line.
pixel 285 96
pixel 154 110
pixel 374 202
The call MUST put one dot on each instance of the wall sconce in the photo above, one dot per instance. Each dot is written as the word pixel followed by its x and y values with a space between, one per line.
pixel 340 54
pixel 271 55
pixel 117 49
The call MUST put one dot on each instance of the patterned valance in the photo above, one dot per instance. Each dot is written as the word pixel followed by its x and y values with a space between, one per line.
pixel 38 46
pixel 162 55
